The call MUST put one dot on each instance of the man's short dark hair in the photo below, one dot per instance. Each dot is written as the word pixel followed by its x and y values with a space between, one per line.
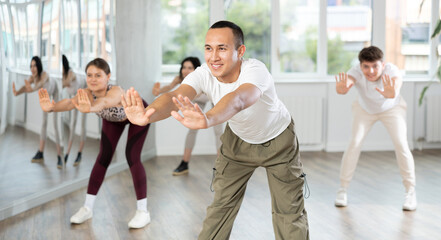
pixel 370 54
pixel 237 31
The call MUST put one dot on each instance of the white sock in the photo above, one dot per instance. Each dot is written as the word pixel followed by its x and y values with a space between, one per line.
pixel 90 200
pixel 142 204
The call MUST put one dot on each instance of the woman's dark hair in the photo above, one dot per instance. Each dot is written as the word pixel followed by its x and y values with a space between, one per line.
pixel 37 64
pixel 370 54
pixel 65 66
pixel 237 31
pixel 194 60
pixel 99 63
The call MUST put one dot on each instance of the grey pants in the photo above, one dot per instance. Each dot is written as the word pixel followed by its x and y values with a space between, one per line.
pixel 234 167
pixel 73 125
pixel 43 132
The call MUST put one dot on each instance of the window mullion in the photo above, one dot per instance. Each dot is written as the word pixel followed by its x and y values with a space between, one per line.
pixel 433 56
pixel 322 46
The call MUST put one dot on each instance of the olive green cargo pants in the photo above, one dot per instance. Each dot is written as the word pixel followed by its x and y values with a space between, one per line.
pixel 234 167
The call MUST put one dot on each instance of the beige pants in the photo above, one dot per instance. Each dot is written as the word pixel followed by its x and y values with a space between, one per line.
pixel 395 122
pixel 234 167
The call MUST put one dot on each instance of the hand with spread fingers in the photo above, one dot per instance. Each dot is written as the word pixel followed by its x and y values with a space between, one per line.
pixel 45 102
pixel 27 88
pixel 193 116
pixel 388 86
pixel 342 82
pixel 134 108
pixel 83 102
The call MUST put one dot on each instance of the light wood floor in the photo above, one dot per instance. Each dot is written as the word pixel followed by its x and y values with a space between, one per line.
pixel 20 178
pixel 178 204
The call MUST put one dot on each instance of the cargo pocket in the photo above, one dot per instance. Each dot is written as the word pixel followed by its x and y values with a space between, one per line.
pixel 218 171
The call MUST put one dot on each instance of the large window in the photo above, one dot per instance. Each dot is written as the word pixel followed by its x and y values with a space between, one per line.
pixel 184 25
pixel 89 16
pixel 306 38
pixel 298 29
pixel 62 31
pixel 49 36
pixel 95 40
pixel 7 35
pixel 254 17
pixel 408 35
pixel 32 25
pixel 19 24
pixel 347 37
pixel 70 32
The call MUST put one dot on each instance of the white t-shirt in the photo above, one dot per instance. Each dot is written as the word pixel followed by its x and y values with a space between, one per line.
pixel 370 99
pixel 262 121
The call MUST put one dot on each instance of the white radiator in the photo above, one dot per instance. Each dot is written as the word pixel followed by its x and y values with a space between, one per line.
pixel 433 119
pixel 307 113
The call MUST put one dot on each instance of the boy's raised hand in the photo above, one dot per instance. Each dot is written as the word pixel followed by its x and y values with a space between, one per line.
pixel 388 85
pixel 342 83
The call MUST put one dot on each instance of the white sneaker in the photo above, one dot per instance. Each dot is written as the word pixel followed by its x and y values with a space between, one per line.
pixel 410 202
pixel 140 219
pixel 81 216
pixel 342 198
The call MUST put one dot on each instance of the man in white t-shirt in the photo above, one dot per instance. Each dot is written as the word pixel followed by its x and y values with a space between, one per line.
pixel 378 85
pixel 259 133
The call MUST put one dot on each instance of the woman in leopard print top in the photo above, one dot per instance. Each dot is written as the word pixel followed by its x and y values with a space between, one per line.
pixel 105 100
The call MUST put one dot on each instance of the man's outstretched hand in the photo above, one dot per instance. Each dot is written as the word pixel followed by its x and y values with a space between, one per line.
pixel 134 108
pixel 193 117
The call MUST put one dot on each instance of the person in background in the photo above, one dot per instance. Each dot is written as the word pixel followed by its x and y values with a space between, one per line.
pixel 378 85
pixel 71 84
pixel 188 65
pixel 104 99
pixel 40 79
pixel 260 132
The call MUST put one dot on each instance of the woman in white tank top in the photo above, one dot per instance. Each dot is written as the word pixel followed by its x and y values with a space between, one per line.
pixel 71 84
pixel 40 79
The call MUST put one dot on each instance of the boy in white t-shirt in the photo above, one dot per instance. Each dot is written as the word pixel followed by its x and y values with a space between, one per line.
pixel 259 133
pixel 378 85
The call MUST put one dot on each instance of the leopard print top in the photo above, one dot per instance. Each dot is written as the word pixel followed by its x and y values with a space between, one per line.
pixel 112 114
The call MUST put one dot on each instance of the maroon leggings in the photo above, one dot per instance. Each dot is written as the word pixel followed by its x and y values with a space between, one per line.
pixel 110 135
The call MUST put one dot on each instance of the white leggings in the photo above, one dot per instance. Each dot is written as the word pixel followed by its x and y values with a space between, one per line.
pixel 191 135
pixel 73 124
pixel 395 122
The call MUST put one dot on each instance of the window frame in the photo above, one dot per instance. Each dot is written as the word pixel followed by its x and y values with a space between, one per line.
pixel 378 38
